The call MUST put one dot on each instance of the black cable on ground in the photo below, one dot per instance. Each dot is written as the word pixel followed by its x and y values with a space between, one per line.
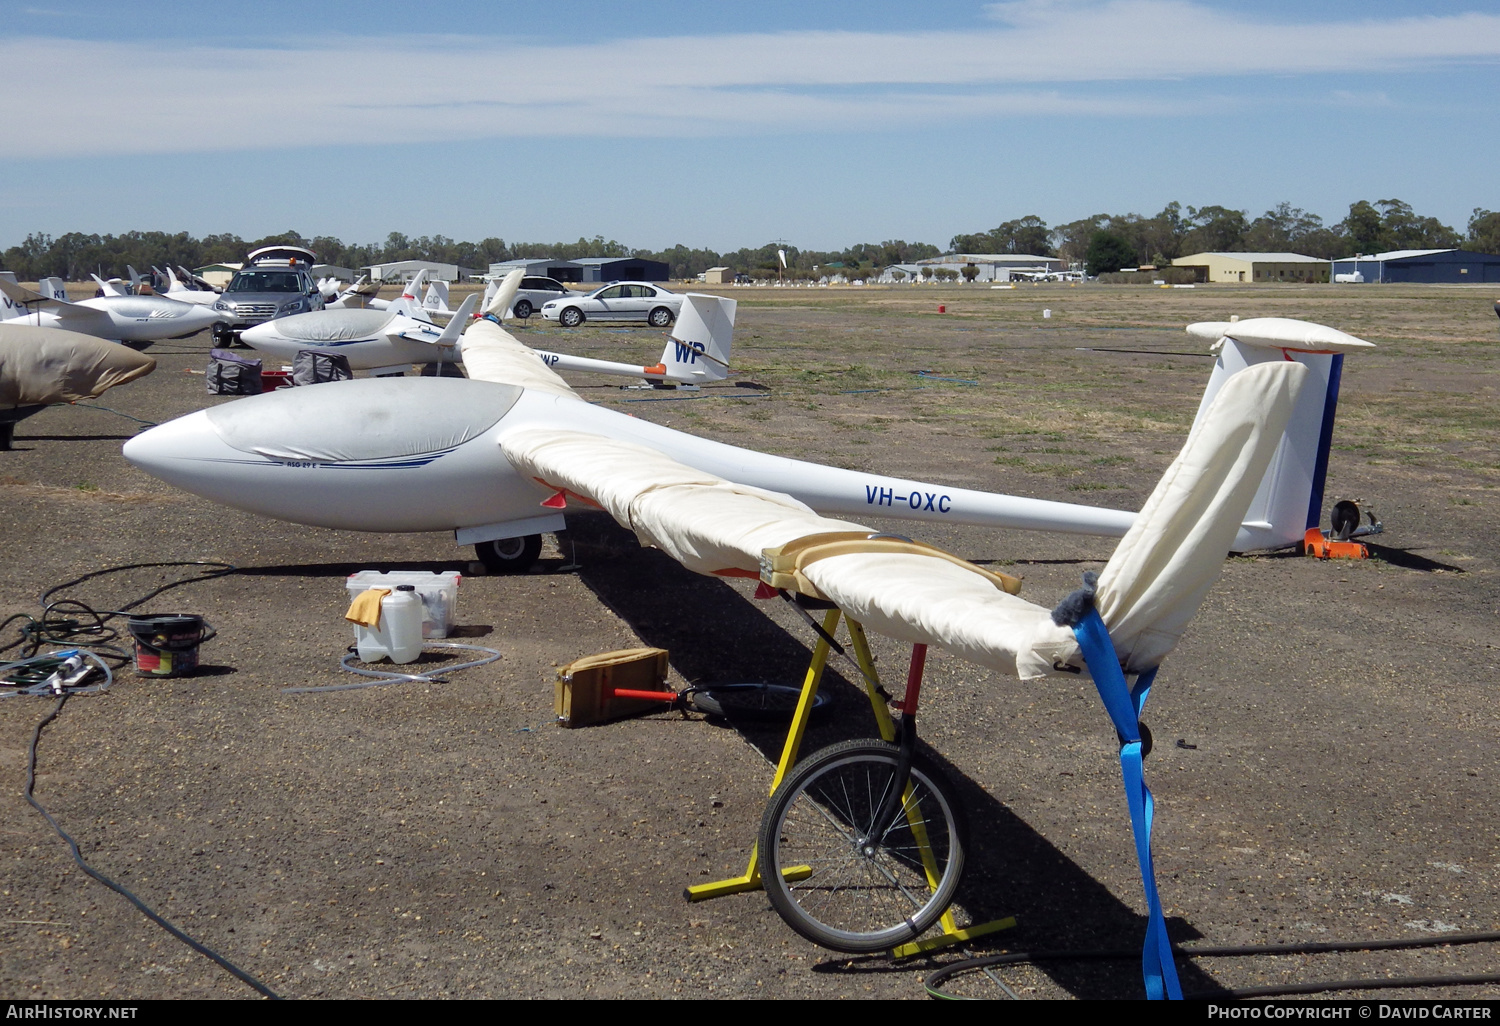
pixel 117 413
pixel 145 910
pixel 934 981
pixel 92 624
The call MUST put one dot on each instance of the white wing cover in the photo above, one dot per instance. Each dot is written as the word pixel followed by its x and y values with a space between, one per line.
pixel 490 353
pixel 1148 592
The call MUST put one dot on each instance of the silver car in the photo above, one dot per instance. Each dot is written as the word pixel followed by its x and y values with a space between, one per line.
pixel 536 293
pixel 617 301
pixel 261 293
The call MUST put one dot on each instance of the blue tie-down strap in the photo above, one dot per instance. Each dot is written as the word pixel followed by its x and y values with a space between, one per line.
pixel 1124 707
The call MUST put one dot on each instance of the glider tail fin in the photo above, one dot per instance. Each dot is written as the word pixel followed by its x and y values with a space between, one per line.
pixel 702 339
pixel 408 303
pixel 460 321
pixel 11 306
pixel 436 300
pixel 1290 497
pixel 53 288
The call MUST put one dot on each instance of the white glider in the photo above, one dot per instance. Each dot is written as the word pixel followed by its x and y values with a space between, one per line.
pixel 124 318
pixel 378 340
pixel 430 454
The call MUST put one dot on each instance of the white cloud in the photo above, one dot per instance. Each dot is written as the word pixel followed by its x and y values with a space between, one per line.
pixel 1044 57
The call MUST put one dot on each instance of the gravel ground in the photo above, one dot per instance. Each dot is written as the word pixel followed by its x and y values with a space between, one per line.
pixel 1336 777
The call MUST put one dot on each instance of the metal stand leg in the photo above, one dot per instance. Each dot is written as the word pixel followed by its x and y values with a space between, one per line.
pixel 751 881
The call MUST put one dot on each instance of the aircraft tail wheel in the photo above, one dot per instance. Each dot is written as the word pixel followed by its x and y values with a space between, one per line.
pixel 1344 519
pixel 509 555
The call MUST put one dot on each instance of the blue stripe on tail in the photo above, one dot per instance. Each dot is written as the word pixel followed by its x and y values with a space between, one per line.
pixel 1325 441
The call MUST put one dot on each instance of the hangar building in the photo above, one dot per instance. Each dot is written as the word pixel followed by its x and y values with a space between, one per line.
pixel 1446 266
pixel 539 267
pixel 405 270
pixel 1254 267
pixel 603 269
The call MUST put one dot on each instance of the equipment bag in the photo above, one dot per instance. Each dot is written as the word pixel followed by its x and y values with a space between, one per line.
pixel 311 367
pixel 229 374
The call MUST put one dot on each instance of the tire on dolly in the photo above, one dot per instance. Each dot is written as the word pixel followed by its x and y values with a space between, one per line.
pixel 509 555
pixel 851 891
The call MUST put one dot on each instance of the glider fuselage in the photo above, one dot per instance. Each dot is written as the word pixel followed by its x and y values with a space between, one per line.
pixel 422 454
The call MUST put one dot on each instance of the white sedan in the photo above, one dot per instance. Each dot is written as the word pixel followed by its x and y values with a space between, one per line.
pixel 618 301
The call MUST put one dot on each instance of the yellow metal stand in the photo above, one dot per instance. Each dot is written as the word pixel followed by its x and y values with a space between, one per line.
pixel 751 881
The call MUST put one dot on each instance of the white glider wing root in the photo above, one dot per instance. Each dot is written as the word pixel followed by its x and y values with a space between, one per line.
pixel 490 353
pixel 706 523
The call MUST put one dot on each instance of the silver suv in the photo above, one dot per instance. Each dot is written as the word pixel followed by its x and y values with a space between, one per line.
pixel 274 283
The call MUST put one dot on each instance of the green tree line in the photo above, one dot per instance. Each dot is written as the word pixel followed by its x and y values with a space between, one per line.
pixel 1130 239
pixel 1118 239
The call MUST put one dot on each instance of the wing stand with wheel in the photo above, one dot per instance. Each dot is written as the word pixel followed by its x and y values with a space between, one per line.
pixel 1145 597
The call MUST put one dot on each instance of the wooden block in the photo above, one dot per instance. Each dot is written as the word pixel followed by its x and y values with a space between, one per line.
pixel 584 687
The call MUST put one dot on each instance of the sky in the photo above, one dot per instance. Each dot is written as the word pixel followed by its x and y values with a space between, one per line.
pixel 725 125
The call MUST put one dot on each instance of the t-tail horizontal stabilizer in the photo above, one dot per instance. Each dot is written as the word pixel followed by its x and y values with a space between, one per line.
pixel 1290 497
pixel 427 332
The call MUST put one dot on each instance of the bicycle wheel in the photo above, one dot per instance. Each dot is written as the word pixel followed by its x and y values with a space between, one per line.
pixel 849 891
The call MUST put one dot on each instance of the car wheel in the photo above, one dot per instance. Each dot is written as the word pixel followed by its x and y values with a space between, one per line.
pixel 522 309
pixel 571 317
pixel 660 317
pixel 509 555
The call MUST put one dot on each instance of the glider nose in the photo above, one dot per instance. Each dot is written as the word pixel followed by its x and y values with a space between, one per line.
pixel 167 450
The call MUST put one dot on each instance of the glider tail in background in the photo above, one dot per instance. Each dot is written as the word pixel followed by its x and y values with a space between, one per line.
pixel 701 340
pixel 408 303
pixel 436 300
pixel 12 303
pixel 1290 497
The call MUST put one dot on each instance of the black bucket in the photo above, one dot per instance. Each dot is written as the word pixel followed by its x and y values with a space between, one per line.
pixel 166 645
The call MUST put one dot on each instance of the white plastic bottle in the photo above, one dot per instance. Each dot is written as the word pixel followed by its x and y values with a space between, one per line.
pixel 401 615
pixel 398 635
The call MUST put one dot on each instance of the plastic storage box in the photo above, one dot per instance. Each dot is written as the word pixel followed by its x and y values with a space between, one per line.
pixel 438 591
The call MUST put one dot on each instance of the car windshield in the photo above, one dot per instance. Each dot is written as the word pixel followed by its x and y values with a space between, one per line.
pixel 265 281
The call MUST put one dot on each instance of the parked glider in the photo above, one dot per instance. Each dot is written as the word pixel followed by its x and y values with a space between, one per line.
pixel 360 295
pixel 123 318
pixel 427 454
pixel 839 861
pixel 175 289
pixel 386 340
pixel 40 367
pixel 378 340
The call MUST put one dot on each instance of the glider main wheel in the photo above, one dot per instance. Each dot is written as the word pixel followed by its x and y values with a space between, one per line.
pixel 853 891
pixel 522 309
pixel 660 317
pixel 509 555
pixel 571 317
